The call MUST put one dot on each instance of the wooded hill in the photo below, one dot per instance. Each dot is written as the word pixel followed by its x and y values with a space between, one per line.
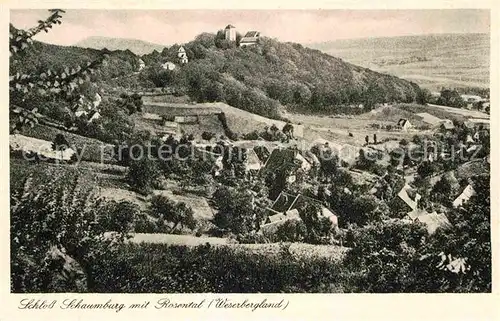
pixel 259 79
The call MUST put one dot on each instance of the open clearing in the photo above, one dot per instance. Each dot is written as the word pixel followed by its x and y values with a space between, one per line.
pixel 337 128
pixel 297 249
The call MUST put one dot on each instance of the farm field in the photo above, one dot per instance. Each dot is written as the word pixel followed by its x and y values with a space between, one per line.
pixel 337 128
pixel 449 60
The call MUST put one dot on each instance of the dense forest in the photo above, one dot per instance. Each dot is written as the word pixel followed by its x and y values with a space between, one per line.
pixel 262 77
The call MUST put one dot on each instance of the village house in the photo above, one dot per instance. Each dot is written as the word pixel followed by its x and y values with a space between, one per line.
pixel 94 115
pixel 81 111
pixel 413 215
pixel 290 160
pixel 250 38
pixel 432 220
pixel 464 197
pixel 169 128
pixel 287 206
pixel 89 110
pixel 447 125
pixel 469 140
pixel 409 197
pixel 262 148
pixel 404 124
pixel 89 114
pixel 476 136
pixel 97 100
pixel 274 221
pixel 252 161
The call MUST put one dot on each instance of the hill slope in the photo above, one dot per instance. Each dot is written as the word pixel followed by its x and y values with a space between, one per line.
pixel 432 61
pixel 43 56
pixel 139 47
pixel 259 78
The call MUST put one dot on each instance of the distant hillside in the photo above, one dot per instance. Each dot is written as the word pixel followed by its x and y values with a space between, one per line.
pixel 261 77
pixel 138 47
pixel 43 56
pixel 432 61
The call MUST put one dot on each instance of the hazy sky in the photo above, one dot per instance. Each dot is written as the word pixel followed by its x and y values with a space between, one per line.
pixel 167 27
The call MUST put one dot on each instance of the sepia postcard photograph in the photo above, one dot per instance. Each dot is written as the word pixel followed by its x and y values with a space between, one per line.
pixel 175 151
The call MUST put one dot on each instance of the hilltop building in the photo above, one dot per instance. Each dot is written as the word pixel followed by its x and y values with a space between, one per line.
pixel 287 207
pixel 289 161
pixel 181 54
pixel 250 38
pixel 230 33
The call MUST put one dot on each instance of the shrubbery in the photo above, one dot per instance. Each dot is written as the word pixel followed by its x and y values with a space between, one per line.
pixel 450 98
pixel 176 213
pixel 144 174
pixel 203 269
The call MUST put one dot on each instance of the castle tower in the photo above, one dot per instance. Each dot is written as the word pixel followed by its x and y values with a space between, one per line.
pixel 230 33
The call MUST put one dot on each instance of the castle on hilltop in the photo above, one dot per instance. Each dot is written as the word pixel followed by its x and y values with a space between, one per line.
pixel 250 38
